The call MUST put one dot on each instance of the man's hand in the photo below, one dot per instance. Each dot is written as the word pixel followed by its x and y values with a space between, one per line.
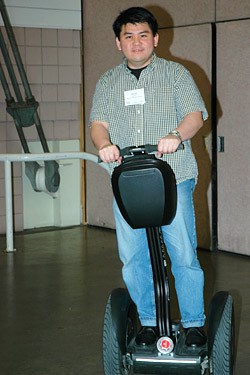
pixel 168 145
pixel 110 153
pixel 100 136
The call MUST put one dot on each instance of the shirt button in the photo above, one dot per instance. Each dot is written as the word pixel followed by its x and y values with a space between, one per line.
pixel 139 112
pixel 138 131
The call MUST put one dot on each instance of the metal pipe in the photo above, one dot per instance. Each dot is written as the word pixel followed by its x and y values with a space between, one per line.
pixel 52 156
pixel 15 50
pixel 10 69
pixel 5 85
pixel 9 208
pixel 40 132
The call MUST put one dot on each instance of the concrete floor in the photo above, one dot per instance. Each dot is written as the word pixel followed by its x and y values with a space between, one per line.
pixel 53 292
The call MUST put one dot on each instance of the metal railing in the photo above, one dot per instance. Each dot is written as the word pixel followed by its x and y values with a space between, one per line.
pixel 10 158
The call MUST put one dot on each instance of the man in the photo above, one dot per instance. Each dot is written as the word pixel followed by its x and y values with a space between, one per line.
pixel 143 100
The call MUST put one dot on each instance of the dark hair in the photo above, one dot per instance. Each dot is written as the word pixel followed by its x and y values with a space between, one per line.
pixel 135 15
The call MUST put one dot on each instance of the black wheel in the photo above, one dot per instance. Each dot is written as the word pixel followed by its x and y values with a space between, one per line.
pixel 118 331
pixel 222 349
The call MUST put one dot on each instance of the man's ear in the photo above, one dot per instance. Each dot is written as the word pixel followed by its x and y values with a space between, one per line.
pixel 156 40
pixel 118 44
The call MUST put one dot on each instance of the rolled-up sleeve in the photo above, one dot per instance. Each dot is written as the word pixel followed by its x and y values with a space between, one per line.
pixel 99 110
pixel 187 96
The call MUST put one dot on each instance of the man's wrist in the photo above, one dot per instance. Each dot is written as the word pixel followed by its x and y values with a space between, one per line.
pixel 105 145
pixel 176 133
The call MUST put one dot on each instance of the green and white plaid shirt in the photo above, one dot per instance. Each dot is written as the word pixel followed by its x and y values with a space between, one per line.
pixel 170 94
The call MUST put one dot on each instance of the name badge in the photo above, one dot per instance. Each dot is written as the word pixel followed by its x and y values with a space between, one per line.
pixel 133 97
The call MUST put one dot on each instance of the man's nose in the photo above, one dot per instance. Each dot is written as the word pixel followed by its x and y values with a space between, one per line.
pixel 136 39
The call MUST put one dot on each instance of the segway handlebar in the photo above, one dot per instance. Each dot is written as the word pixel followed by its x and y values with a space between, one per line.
pixel 140 150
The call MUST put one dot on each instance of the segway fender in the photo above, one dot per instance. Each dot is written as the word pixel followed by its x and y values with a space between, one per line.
pixel 216 309
pixel 120 304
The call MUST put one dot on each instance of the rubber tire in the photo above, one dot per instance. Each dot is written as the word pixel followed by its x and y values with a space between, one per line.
pixel 114 361
pixel 222 354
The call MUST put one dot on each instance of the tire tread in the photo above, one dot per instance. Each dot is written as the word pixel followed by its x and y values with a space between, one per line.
pixel 222 361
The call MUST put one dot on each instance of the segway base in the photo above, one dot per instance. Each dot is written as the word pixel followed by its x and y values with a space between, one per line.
pixel 182 361
pixel 167 364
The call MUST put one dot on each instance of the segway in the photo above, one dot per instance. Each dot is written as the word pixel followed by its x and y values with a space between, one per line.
pixel 145 191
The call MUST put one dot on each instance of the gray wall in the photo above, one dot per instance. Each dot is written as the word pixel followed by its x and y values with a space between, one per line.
pixel 186 38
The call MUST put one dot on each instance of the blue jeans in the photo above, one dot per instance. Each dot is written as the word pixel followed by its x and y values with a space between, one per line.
pixel 181 243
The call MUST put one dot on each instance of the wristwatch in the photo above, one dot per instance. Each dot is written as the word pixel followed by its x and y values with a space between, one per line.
pixel 176 133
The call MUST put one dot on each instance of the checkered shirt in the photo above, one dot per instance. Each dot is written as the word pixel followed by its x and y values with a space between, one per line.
pixel 170 94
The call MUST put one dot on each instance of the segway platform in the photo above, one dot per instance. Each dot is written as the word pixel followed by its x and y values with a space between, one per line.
pixel 182 360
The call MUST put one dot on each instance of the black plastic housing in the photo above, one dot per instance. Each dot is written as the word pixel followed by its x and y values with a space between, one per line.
pixel 145 191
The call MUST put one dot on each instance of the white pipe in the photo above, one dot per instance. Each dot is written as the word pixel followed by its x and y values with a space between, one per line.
pixel 53 156
pixel 8 158
pixel 9 207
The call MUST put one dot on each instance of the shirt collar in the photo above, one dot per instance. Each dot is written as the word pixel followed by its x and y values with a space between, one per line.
pixel 150 66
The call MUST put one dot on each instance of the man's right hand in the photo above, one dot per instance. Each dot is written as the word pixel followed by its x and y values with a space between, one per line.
pixel 99 133
pixel 110 153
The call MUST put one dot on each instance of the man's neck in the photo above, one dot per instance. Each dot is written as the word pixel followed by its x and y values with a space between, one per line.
pixel 137 72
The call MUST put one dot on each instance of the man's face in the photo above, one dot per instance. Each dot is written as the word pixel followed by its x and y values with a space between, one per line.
pixel 137 44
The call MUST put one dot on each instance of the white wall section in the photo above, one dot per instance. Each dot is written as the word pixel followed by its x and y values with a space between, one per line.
pixel 59 14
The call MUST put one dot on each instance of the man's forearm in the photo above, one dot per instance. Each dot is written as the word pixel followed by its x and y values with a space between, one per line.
pixel 190 125
pixel 100 135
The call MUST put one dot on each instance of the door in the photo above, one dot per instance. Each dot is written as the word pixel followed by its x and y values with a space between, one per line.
pixel 233 92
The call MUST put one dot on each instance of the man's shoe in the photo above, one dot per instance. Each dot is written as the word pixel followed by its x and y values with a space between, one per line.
pixel 195 336
pixel 146 336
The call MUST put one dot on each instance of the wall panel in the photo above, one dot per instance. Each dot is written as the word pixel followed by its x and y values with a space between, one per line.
pixel 233 164
pixel 232 10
